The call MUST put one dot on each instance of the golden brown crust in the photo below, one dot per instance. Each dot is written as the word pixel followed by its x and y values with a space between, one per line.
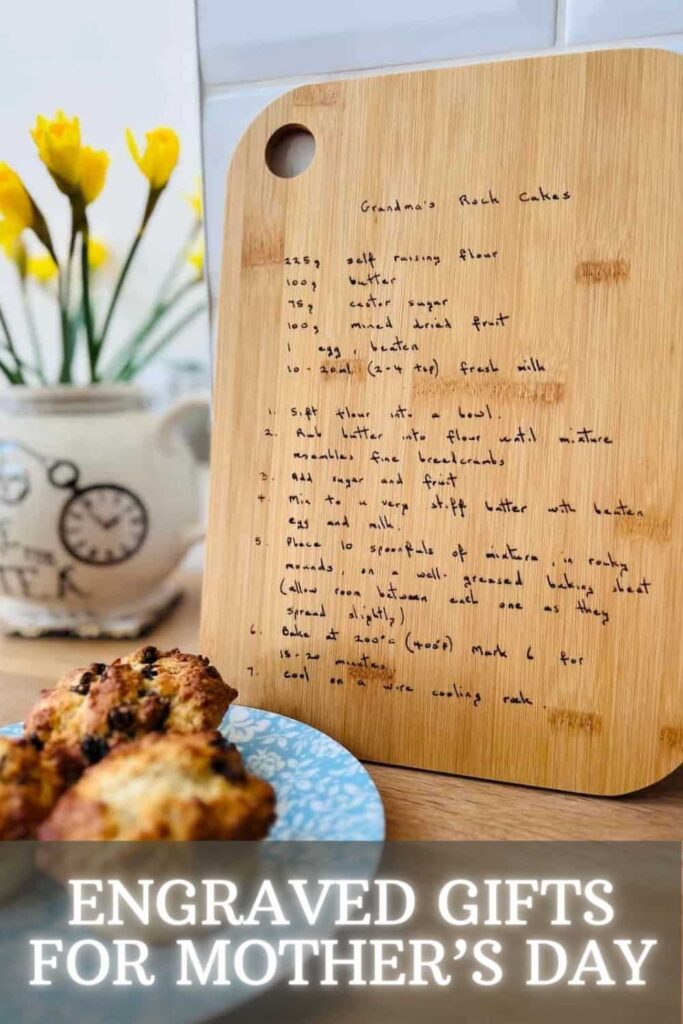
pixel 166 786
pixel 93 710
pixel 30 785
pixel 56 715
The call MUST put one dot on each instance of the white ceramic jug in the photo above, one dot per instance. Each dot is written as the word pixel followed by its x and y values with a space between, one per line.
pixel 98 504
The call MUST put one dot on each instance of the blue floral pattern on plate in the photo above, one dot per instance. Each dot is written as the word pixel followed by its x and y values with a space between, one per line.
pixel 322 791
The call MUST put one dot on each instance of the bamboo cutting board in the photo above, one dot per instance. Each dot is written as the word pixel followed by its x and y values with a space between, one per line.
pixel 446 521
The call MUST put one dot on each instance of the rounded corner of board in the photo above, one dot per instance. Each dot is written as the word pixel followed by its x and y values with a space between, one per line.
pixel 653 54
pixel 640 787
pixel 267 121
pixel 264 116
pixel 660 51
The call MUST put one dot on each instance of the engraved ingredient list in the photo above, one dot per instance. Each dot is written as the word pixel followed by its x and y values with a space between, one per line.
pixel 418 553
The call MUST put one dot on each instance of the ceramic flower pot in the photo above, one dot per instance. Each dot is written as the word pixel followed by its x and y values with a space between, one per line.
pixel 98 504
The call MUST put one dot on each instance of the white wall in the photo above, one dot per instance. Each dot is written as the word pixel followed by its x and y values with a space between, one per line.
pixel 116 64
pixel 252 52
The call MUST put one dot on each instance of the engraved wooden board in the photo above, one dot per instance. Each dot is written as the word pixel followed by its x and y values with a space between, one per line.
pixel 445 521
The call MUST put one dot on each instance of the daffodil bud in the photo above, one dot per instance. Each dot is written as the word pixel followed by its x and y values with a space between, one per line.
pixel 12 245
pixel 98 253
pixel 94 164
pixel 9 237
pixel 16 205
pixel 59 147
pixel 159 158
pixel 195 259
pixel 41 268
pixel 196 202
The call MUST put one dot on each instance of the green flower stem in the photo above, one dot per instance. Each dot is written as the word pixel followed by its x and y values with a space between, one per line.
pixel 39 369
pixel 69 262
pixel 11 377
pixel 18 375
pixel 87 308
pixel 152 200
pixel 67 292
pixel 177 263
pixel 67 333
pixel 39 226
pixel 117 290
pixel 127 356
pixel 162 342
pixel 41 229
pixel 79 225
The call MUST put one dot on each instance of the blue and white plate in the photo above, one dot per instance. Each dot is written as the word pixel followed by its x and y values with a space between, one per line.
pixel 322 791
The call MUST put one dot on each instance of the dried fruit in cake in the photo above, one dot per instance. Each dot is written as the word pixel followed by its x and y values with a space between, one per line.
pixel 166 786
pixel 93 710
pixel 31 782
pixel 56 716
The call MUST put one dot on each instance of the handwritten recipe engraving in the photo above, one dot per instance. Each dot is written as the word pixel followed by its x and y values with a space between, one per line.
pixel 368 493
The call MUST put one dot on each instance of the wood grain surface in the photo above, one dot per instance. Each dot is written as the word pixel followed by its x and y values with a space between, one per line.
pixel 445 522
pixel 418 804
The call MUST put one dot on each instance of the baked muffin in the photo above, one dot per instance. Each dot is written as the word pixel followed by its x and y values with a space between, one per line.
pixel 93 710
pixel 172 786
pixel 30 785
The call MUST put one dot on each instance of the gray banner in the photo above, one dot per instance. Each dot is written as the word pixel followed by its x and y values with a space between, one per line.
pixel 497 933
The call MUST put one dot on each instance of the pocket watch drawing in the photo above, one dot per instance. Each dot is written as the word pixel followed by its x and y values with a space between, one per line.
pixel 14 480
pixel 103 524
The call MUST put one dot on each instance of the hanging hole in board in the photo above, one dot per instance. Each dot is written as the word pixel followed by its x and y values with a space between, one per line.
pixel 290 151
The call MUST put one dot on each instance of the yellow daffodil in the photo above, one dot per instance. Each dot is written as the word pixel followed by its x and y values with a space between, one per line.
pixel 195 258
pixel 10 240
pixel 98 253
pixel 79 171
pixel 159 158
pixel 13 246
pixel 18 208
pixel 41 268
pixel 59 147
pixel 196 201
pixel 93 171
pixel 15 202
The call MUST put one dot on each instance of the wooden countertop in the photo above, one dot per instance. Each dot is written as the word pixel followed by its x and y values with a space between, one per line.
pixel 419 805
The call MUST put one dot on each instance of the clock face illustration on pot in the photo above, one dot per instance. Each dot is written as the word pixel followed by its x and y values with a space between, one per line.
pixel 100 525
pixel 103 525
